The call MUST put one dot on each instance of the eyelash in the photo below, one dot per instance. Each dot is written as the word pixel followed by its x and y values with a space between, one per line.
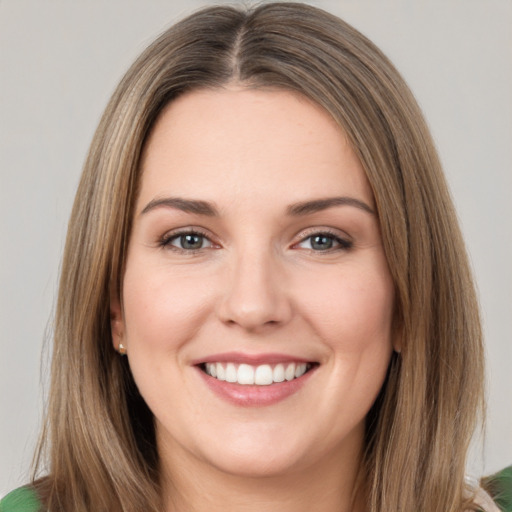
pixel 342 243
pixel 166 241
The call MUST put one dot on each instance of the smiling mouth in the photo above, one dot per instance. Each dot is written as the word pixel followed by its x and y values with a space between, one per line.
pixel 259 375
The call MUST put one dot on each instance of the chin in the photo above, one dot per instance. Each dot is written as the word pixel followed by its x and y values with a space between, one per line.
pixel 257 465
pixel 254 453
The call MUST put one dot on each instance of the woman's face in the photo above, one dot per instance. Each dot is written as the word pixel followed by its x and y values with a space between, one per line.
pixel 257 302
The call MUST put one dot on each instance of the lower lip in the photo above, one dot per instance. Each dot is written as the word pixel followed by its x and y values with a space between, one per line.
pixel 255 396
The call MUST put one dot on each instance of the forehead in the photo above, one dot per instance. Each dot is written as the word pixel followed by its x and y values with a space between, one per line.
pixel 223 143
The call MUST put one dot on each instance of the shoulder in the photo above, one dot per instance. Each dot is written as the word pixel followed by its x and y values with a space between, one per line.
pixel 499 487
pixel 23 499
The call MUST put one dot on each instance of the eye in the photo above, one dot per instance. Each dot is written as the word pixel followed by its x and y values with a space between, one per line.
pixel 323 242
pixel 187 241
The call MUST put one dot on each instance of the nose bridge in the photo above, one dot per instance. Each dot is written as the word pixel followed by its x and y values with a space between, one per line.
pixel 255 295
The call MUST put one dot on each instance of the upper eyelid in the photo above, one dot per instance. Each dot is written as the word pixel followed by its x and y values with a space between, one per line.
pixel 334 232
pixel 343 239
pixel 340 241
pixel 186 230
pixel 299 237
pixel 166 239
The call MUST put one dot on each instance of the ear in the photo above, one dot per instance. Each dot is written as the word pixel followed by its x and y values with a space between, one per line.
pixel 116 322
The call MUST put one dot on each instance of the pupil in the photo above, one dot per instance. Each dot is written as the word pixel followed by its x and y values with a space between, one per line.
pixel 321 242
pixel 191 241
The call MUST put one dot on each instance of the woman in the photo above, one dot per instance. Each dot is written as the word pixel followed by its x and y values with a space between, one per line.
pixel 265 299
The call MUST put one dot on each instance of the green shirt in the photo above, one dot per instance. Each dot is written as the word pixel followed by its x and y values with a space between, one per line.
pixel 499 486
pixel 23 499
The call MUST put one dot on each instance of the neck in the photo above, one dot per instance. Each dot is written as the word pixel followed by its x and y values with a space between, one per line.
pixel 191 485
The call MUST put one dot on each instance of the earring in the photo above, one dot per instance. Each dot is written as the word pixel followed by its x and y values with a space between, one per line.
pixel 121 349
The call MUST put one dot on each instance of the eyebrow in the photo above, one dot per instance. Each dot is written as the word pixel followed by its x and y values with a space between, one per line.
pixel 297 209
pixel 317 205
pixel 185 205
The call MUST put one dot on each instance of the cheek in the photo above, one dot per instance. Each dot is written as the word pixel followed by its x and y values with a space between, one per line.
pixel 161 308
pixel 353 310
pixel 162 312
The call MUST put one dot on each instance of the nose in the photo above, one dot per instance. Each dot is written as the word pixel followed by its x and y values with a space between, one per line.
pixel 256 296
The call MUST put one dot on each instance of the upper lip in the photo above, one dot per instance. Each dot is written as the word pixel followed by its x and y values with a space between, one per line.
pixel 252 359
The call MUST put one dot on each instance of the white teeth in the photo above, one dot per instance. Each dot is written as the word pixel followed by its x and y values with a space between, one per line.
pixel 245 374
pixel 289 373
pixel 278 375
pixel 262 375
pixel 221 373
pixel 231 373
pixel 300 370
pixel 211 369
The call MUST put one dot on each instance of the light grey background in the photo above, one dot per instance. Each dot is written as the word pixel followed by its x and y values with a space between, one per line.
pixel 60 61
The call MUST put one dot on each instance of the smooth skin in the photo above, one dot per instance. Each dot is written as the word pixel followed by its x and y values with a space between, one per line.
pixel 225 257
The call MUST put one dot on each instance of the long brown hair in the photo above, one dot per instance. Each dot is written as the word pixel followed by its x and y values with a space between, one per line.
pixel 99 437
